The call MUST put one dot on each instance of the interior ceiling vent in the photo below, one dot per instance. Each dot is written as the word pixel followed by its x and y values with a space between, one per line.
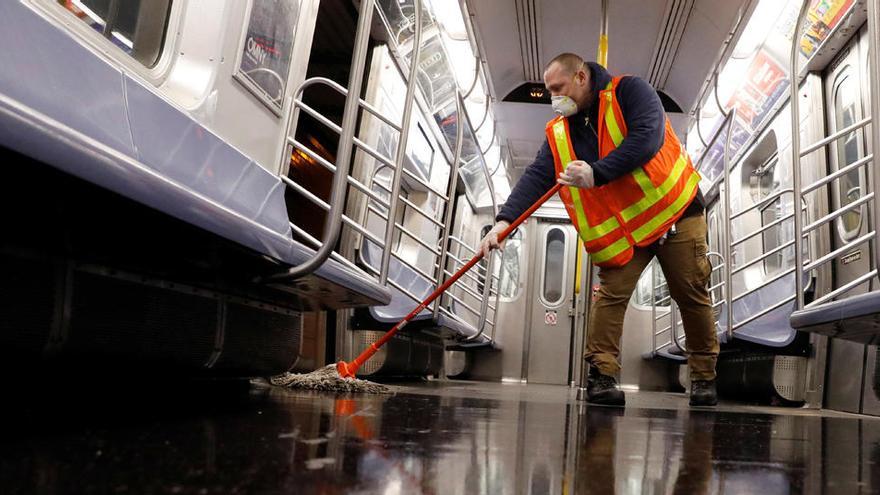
pixel 528 24
pixel 675 20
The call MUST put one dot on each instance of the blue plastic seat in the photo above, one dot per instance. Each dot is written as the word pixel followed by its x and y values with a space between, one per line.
pixel 855 318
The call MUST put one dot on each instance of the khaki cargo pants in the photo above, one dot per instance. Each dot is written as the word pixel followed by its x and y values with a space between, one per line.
pixel 686 267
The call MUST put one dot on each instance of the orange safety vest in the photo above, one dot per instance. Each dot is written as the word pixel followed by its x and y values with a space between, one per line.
pixel 635 209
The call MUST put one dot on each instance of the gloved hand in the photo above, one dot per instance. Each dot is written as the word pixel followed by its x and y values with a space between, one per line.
pixel 578 174
pixel 490 241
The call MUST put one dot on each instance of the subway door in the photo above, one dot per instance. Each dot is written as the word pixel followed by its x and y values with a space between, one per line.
pixel 552 300
pixel 846 360
pixel 871 391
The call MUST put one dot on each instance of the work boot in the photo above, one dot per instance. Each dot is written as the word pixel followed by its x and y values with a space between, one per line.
pixel 602 389
pixel 703 393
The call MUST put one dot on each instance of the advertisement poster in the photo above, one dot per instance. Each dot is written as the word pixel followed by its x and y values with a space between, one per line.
pixel 822 17
pixel 266 54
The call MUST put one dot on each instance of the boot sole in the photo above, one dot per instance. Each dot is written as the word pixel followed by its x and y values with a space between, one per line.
pixel 703 403
pixel 615 399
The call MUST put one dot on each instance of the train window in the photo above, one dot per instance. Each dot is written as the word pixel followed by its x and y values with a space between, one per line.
pixel 508 269
pixel 381 185
pixel 554 266
pixel 138 27
pixel 848 151
pixel 264 60
pixel 505 268
pixel 652 279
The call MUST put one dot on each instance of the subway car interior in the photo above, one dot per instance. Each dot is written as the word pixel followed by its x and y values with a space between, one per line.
pixel 203 195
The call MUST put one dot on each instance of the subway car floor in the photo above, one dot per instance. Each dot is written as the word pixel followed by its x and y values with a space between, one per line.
pixel 435 437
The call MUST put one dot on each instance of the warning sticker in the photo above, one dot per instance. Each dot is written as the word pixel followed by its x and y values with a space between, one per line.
pixel 550 317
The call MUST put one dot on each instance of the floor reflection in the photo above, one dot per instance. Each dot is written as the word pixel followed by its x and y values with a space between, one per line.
pixel 455 438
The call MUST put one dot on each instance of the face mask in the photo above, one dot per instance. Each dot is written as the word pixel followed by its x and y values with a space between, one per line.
pixel 564 105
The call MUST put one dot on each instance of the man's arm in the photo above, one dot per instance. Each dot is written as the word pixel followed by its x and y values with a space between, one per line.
pixel 538 178
pixel 646 130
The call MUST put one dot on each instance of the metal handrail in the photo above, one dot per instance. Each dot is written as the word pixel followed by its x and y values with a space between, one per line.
pixel 726 246
pixel 761 230
pixel 763 312
pixel 796 153
pixel 453 182
pixel 333 224
pixel 844 288
pixel 423 213
pixel 839 173
pixel 838 213
pixel 476 77
pixel 765 202
pixel 404 137
pixel 837 252
pixel 834 137
pixel 360 186
pixel 485 114
pixel 874 69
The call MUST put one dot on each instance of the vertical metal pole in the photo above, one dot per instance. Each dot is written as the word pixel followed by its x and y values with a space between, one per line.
pixel 402 141
pixel 588 306
pixel 484 305
pixel 653 308
pixel 796 159
pixel 602 56
pixel 728 250
pixel 874 68
pixel 450 194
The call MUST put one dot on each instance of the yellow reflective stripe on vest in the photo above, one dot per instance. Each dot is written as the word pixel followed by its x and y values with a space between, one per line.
pixel 611 251
pixel 565 159
pixel 680 202
pixel 587 232
pixel 654 194
pixel 610 119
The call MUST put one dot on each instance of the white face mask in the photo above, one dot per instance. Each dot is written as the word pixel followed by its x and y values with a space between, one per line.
pixel 564 105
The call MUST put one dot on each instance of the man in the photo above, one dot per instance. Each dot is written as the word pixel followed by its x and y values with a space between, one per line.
pixel 632 194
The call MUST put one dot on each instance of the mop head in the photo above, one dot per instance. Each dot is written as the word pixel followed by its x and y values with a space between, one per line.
pixel 327 378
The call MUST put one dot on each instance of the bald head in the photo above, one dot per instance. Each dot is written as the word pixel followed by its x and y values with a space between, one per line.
pixel 569 63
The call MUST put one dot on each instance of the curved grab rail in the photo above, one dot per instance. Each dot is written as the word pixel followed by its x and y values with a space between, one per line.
pixel 476 77
pixel 333 224
pixel 347 141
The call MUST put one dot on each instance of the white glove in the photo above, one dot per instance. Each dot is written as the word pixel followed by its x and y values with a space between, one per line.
pixel 490 241
pixel 578 174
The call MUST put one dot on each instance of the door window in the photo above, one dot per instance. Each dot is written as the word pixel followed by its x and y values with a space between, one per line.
pixel 848 151
pixel 554 266
pixel 268 46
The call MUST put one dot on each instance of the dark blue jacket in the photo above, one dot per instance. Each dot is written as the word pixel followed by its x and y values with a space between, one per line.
pixel 646 129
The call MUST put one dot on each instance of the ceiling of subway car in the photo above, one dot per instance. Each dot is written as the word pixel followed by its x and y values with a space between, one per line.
pixel 671 43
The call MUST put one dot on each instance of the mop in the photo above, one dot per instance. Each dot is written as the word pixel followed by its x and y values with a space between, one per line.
pixel 340 377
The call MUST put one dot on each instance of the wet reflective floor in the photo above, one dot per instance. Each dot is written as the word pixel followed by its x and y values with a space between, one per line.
pixel 435 438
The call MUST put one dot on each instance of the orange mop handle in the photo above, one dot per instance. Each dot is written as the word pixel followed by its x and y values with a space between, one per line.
pixel 347 370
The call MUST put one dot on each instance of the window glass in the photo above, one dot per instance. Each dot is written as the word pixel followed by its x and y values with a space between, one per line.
pixel 845 101
pixel 763 182
pixel 508 267
pixel 652 279
pixel 554 266
pixel 138 27
pixel 268 45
